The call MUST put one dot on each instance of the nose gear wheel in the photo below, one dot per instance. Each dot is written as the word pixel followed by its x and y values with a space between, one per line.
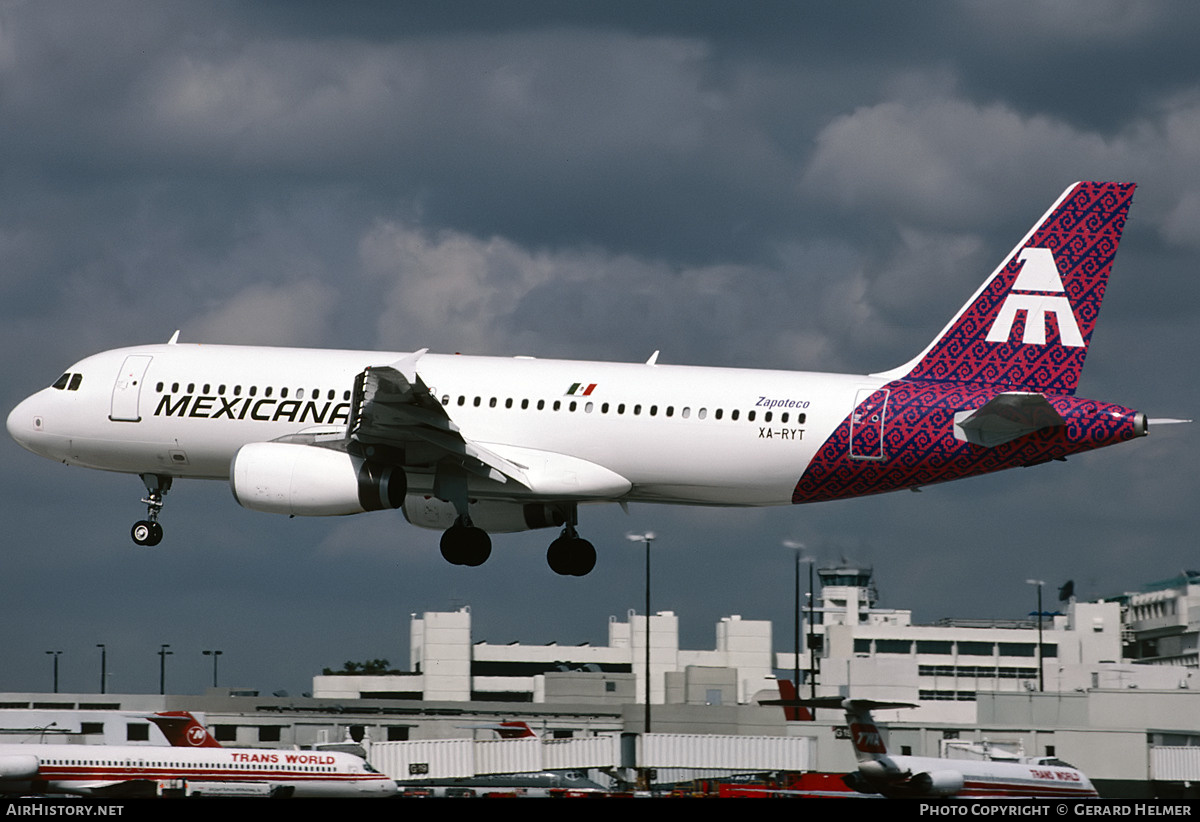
pixel 147 531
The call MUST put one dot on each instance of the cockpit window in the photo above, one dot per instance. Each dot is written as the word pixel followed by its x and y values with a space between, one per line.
pixel 61 382
pixel 76 379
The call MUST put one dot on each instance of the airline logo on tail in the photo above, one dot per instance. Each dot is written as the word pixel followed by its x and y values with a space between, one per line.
pixel 183 730
pixel 1038 274
pixel 1055 276
pixel 866 738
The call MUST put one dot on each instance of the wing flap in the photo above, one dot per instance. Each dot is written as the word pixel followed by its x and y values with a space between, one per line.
pixel 558 476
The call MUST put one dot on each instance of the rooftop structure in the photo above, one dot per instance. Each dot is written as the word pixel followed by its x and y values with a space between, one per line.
pixel 1162 621
pixel 446 665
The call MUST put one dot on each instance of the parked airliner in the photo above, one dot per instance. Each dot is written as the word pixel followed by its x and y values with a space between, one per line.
pixel 471 445
pixel 891 775
pixel 197 765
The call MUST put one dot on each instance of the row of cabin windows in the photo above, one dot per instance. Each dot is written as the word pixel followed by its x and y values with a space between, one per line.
pixel 588 407
pixel 557 405
pixel 252 391
pixel 150 764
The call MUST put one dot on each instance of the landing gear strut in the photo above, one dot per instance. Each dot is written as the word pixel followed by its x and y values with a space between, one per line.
pixel 464 544
pixel 147 531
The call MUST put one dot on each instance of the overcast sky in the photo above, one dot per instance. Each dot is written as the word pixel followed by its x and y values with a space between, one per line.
pixel 811 186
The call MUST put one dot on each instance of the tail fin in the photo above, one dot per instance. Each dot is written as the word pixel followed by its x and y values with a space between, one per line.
pixel 864 736
pixel 183 730
pixel 513 729
pixel 793 711
pixel 1029 325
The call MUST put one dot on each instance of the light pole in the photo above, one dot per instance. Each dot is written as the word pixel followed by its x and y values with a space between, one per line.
pixel 798 547
pixel 214 655
pixel 163 653
pixel 646 538
pixel 1041 668
pixel 56 655
pixel 103 667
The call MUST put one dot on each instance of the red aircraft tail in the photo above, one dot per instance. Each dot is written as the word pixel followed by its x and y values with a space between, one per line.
pixel 793 710
pixel 183 730
pixel 515 730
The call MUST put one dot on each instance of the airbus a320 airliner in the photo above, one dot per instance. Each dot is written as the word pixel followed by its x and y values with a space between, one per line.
pixel 471 445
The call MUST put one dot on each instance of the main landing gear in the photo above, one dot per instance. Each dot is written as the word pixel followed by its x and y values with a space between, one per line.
pixel 464 544
pixel 147 531
pixel 570 555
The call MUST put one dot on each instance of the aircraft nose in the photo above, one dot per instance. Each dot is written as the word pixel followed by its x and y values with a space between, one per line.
pixel 24 422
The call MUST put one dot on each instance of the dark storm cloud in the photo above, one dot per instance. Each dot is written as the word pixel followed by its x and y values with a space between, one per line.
pixel 786 185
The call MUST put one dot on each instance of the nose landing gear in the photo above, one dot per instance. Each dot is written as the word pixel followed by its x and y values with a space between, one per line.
pixel 148 531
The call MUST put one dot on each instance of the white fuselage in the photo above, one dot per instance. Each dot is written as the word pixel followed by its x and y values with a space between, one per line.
pixel 678 434
pixel 986 778
pixel 125 770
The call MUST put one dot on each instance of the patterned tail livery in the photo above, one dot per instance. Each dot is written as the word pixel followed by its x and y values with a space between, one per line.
pixel 996 388
pixel 1029 325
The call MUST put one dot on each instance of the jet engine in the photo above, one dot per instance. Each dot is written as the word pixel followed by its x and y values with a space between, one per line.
pixel 937 783
pixel 493 516
pixel 310 481
pixel 18 766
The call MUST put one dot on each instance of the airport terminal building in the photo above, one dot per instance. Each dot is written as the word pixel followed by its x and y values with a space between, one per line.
pixel 1117 695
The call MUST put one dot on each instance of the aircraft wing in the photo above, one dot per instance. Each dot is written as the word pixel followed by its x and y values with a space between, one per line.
pixel 393 409
pixel 116 788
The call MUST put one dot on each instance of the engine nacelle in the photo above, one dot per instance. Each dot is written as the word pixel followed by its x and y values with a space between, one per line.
pixel 937 783
pixel 309 481
pixel 493 516
pixel 18 766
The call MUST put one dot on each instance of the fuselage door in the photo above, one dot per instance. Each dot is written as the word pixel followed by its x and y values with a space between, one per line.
pixel 128 388
pixel 866 424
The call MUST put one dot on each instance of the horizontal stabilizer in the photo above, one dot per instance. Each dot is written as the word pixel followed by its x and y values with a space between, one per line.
pixel 1005 417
